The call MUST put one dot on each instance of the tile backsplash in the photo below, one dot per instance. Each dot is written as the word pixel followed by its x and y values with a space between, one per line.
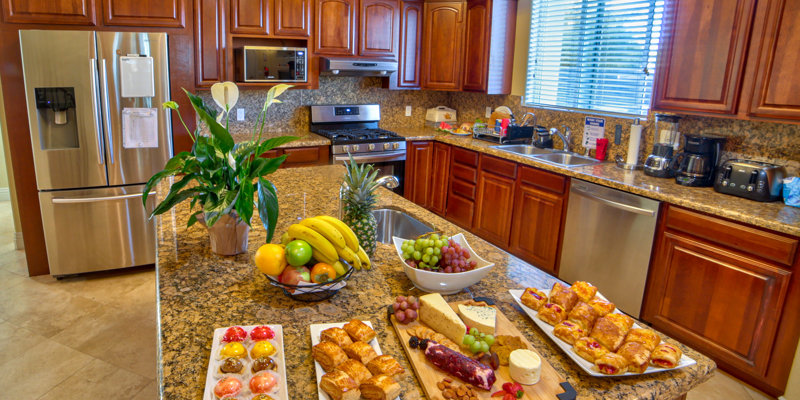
pixel 765 141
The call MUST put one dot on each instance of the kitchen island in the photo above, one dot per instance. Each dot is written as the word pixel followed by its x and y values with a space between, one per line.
pixel 199 291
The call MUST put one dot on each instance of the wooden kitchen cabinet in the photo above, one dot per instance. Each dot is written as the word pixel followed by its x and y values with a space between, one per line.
pixel 335 27
pixel 439 178
pixel 727 290
pixel 537 220
pixel 409 48
pixel 152 13
pixel 495 200
pixel 250 17
pixel 442 43
pixel 476 45
pixel 302 156
pixel 419 161
pixel 379 26
pixel 67 12
pixel 292 18
pixel 209 42
pixel 461 190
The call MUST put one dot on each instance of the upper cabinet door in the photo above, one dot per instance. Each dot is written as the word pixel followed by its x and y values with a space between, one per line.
pixel 442 45
pixel 335 27
pixel 702 54
pixel 209 41
pixel 250 17
pixel 162 13
pixel 71 12
pixel 776 91
pixel 476 45
pixel 410 40
pixel 292 18
pixel 379 26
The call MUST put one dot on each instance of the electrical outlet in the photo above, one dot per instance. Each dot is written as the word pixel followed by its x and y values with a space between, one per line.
pixel 488 112
pixel 240 114
pixel 408 111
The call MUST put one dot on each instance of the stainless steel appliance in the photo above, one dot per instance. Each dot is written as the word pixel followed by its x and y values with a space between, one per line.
pixel 98 133
pixel 752 180
pixel 658 162
pixel 271 64
pixel 356 67
pixel 353 129
pixel 608 236
pixel 695 166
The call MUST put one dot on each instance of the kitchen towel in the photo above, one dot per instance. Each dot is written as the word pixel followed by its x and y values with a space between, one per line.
pixel 791 191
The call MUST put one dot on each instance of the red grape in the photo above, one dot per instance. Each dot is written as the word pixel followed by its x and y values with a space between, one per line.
pixel 411 315
pixel 400 315
pixel 403 304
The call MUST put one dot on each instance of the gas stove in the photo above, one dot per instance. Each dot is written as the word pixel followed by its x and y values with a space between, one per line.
pixel 354 129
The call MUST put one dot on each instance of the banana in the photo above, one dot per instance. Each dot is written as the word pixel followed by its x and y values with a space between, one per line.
pixel 322 258
pixel 349 237
pixel 317 241
pixel 349 256
pixel 285 238
pixel 325 229
pixel 339 268
pixel 362 255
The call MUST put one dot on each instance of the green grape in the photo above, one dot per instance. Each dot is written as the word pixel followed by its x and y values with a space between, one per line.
pixel 406 255
pixel 426 258
pixel 469 340
pixel 417 246
pixel 438 243
pixel 429 251
pixel 417 255
pixel 489 339
pixel 483 335
pixel 437 251
pixel 423 265
pixel 435 236
pixel 484 346
pixel 474 332
pixel 444 239
pixel 476 347
pixel 434 259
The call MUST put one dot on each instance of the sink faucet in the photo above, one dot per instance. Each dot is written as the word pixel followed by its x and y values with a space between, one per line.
pixel 564 137
pixel 388 181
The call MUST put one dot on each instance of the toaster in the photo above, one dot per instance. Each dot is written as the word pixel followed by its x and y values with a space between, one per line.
pixel 752 180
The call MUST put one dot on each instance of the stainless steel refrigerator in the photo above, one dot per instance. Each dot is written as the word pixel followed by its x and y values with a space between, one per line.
pixel 98 133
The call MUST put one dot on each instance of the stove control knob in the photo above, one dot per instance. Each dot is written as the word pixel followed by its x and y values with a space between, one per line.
pixel 355 147
pixel 345 148
pixel 371 146
pixel 396 146
pixel 386 146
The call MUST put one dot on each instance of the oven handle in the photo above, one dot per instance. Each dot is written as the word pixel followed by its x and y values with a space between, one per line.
pixel 382 157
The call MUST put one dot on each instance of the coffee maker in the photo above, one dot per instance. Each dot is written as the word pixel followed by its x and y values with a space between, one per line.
pixel 695 166
pixel 666 141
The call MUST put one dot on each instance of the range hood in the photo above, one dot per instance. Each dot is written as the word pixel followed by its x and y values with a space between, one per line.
pixel 355 67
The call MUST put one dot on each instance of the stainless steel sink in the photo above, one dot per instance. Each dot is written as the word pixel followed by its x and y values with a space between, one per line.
pixel 566 159
pixel 523 149
pixel 393 222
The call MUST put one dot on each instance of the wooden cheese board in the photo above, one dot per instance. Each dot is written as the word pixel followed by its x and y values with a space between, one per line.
pixel 428 375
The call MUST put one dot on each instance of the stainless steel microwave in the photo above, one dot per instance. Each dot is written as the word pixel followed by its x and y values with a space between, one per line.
pixel 271 64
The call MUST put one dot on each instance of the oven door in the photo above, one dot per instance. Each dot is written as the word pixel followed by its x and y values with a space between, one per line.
pixel 387 163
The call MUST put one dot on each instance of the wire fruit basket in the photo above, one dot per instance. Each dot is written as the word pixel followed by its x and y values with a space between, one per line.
pixel 316 291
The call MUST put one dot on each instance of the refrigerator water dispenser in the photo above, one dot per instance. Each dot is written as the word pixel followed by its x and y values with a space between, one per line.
pixel 58 128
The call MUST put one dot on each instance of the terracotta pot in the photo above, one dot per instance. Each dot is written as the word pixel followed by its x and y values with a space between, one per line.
pixel 228 235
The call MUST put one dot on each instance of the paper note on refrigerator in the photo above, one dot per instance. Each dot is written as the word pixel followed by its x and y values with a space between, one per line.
pixel 136 76
pixel 139 128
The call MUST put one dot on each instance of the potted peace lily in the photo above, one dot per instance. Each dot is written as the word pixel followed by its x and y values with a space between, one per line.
pixel 222 177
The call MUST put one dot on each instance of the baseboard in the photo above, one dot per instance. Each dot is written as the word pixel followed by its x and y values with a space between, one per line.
pixel 5 194
pixel 18 243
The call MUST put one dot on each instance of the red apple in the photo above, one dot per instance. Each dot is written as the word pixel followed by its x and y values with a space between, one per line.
pixel 294 275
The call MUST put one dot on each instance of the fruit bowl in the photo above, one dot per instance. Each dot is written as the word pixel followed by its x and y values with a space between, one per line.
pixel 313 291
pixel 440 282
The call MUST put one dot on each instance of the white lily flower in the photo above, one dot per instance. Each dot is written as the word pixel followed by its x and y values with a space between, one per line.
pixel 225 94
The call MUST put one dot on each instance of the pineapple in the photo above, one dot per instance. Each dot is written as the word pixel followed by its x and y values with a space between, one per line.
pixel 358 200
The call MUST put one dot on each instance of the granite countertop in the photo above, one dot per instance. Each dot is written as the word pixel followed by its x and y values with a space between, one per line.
pixel 774 215
pixel 199 291
pixel 306 138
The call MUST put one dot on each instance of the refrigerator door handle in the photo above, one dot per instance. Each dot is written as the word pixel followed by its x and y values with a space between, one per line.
pixel 98 126
pixel 107 111
pixel 64 200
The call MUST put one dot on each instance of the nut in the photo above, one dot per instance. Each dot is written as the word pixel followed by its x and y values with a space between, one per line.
pixel 448 394
pixel 440 385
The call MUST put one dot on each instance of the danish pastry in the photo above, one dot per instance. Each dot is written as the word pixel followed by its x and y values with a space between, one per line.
pixel 648 337
pixel 384 365
pixel 552 314
pixel 584 315
pixel 666 355
pixel 602 307
pixel 585 290
pixel 608 333
pixel 637 355
pixel 359 331
pixel 328 355
pixel 533 298
pixel 589 349
pixel 565 298
pixel 612 364
pixel 356 370
pixel 339 385
pixel 380 387
pixel 569 332
pixel 361 352
pixel 336 336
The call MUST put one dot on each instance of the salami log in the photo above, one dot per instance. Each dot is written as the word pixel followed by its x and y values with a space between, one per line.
pixel 460 366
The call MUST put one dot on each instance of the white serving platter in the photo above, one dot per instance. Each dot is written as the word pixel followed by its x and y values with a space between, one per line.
pixel 212 377
pixel 315 333
pixel 588 367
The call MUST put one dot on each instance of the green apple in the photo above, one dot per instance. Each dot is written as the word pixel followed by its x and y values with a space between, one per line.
pixel 298 252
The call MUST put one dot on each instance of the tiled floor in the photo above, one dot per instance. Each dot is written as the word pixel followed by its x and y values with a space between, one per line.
pixel 95 336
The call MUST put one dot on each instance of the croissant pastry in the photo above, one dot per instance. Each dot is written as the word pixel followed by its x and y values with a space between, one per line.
pixel 380 387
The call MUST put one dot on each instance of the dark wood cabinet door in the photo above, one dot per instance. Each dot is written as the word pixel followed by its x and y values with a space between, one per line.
pixel 409 50
pixel 292 18
pixel 776 91
pixel 536 226
pixel 379 28
pixel 165 13
pixel 701 55
pixel 476 45
pixel 69 12
pixel 711 298
pixel 209 33
pixel 250 17
pixel 495 200
pixel 442 44
pixel 439 178
pixel 335 27
pixel 419 159
pixel 460 210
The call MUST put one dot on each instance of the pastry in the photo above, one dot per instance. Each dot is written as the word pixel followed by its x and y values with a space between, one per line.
pixel 648 337
pixel 328 355
pixel 611 364
pixel 233 349
pixel 359 331
pixel 263 383
pixel 262 349
pixel 608 333
pixel 231 365
pixel 337 336
pixel 263 364
pixel 482 318
pixel 533 298
pixel 552 314
pixel 589 349
pixel 666 355
pixel 227 387
pixel 384 365
pixel 525 366
pixel 380 387
pixel 339 385
pixel 569 332
pixel 565 298
pixel 263 396
pixel 360 351
pixel 637 354
pixel 624 322
pixel 437 314
pixel 585 290
pixel 234 334
pixel 601 306
pixel 557 287
pixel 262 332
pixel 584 315
pixel 356 370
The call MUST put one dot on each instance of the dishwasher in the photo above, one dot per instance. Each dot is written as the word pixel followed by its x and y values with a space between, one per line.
pixel 608 237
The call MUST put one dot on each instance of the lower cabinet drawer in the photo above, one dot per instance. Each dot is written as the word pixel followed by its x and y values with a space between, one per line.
pixel 459 187
pixel 460 211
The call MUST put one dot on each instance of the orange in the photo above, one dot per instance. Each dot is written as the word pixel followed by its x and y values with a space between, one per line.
pixel 270 259
pixel 322 273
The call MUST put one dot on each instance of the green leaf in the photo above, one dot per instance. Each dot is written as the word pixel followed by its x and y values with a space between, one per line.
pixel 179 197
pixel 193 218
pixel 222 137
pixel 269 166
pixel 178 160
pixel 244 202
pixel 153 181
pixel 267 206
pixel 169 104
pixel 270 144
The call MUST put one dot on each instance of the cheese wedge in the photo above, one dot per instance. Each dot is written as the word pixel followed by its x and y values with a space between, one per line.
pixel 437 315
pixel 484 319
pixel 525 366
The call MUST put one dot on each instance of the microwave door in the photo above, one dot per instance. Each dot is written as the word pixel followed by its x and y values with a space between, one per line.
pixel 61 89
pixel 134 82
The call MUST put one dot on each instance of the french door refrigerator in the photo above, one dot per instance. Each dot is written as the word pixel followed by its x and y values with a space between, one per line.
pixel 98 133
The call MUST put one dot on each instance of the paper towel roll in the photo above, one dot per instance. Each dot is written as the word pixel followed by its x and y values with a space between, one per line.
pixel 634 143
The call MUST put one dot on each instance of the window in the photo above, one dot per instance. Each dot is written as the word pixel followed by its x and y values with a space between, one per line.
pixel 593 55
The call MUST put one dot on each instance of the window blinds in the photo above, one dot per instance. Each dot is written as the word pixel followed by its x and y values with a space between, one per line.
pixel 593 55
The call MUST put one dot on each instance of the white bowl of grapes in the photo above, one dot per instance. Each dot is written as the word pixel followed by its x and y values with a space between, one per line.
pixel 441 264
